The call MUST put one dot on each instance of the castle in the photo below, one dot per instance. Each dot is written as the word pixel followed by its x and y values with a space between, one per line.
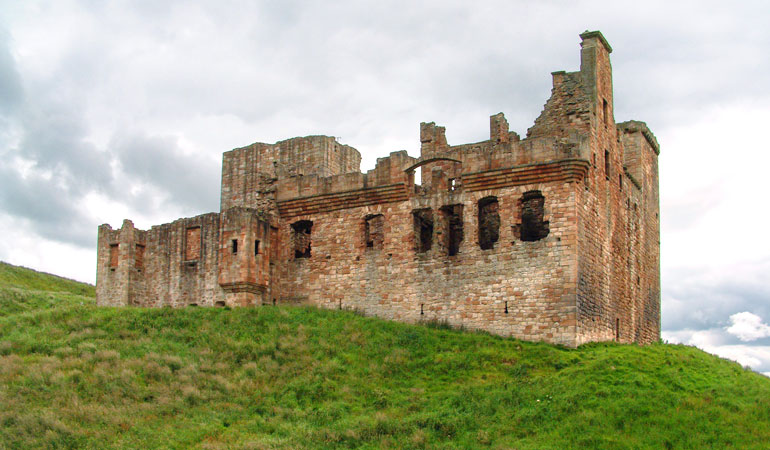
pixel 554 237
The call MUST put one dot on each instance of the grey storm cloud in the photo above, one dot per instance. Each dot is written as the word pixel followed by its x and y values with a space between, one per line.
pixel 10 81
pixel 189 180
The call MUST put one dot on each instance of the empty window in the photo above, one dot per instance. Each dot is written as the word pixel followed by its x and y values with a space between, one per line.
pixel 234 246
pixel 533 227
pixel 113 255
pixel 192 243
pixel 256 248
pixel 453 221
pixel 452 184
pixel 620 181
pixel 139 256
pixel 605 112
pixel 617 330
pixel 489 222
pixel 607 163
pixel 373 231
pixel 423 229
pixel 301 238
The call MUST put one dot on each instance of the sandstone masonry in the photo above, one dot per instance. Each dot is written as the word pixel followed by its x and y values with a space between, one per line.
pixel 554 237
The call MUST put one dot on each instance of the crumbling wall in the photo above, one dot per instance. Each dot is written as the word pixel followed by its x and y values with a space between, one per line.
pixel 522 289
pixel 554 237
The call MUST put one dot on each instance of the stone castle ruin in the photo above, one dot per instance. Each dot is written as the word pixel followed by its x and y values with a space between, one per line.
pixel 553 237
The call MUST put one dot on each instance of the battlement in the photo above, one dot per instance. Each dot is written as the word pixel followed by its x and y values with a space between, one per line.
pixel 552 237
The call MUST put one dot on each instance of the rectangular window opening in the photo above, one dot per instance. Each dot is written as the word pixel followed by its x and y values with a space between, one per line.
pixel 617 330
pixel 605 112
pixel 489 222
pixel 114 255
pixel 192 243
pixel 139 257
pixel 423 229
pixel 607 163
pixel 374 234
pixel 453 222
pixel 234 246
pixel 301 238
pixel 256 248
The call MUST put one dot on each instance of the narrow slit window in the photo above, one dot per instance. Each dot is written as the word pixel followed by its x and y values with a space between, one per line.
pixel 489 222
pixel 256 248
pixel 533 227
pixel 620 181
pixel 301 238
pixel 605 112
pixel 373 231
pixel 453 223
pixel 234 246
pixel 607 163
pixel 423 229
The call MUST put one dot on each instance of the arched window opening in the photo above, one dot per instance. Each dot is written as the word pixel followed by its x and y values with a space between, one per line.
pixel 533 227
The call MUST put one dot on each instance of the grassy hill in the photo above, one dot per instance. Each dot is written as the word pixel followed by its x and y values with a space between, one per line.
pixel 76 376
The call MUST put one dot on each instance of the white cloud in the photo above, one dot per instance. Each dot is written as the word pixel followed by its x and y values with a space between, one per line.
pixel 748 327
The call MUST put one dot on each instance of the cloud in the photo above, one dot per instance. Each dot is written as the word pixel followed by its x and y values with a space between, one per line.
pixel 748 327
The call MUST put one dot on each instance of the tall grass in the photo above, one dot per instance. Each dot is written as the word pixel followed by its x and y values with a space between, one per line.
pixel 76 376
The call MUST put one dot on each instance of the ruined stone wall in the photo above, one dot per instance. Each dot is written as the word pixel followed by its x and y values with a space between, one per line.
pixel 249 174
pixel 516 288
pixel 182 263
pixel 120 265
pixel 614 216
pixel 553 237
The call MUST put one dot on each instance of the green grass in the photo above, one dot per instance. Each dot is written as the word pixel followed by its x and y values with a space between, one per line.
pixel 76 376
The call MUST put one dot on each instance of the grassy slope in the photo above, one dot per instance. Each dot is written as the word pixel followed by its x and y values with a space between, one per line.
pixel 76 376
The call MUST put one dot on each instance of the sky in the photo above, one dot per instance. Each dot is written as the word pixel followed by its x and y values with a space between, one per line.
pixel 122 109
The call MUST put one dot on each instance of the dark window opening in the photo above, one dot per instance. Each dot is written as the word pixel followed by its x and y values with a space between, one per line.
pixel 219 304
pixel 301 238
pixel 422 312
pixel 374 234
pixel 489 222
pixel 506 307
pixel 234 246
pixel 620 181
pixel 193 304
pixel 607 163
pixel 256 248
pixel 114 255
pixel 453 220
pixel 139 257
pixel 533 227
pixel 605 113
pixel 423 229
pixel 593 159
pixel 617 330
